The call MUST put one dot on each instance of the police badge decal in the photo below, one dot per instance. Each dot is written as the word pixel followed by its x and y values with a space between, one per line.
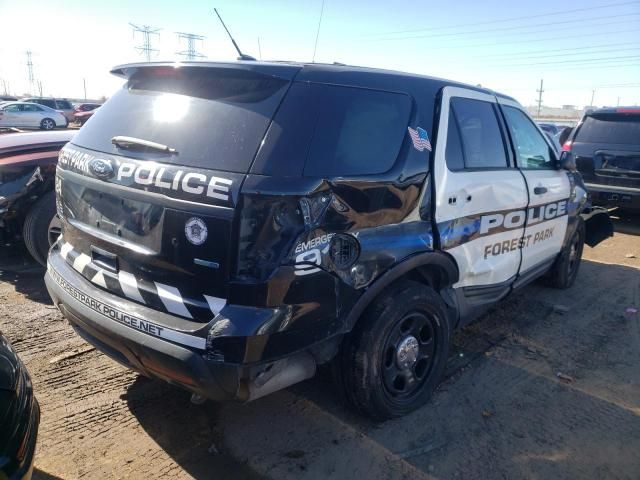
pixel 195 230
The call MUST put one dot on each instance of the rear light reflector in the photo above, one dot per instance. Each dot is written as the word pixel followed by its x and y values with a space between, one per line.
pixel 566 147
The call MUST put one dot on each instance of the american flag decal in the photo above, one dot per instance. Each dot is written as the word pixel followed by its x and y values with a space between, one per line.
pixel 420 139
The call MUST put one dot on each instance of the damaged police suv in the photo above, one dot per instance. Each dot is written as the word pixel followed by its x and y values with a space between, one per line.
pixel 228 227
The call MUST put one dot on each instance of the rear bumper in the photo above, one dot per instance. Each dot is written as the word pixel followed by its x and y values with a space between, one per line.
pixel 613 196
pixel 136 337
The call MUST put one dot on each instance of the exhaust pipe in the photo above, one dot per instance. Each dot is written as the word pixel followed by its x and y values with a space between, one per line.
pixel 281 374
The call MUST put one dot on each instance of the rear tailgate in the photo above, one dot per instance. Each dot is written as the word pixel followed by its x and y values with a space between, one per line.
pixel 606 148
pixel 156 227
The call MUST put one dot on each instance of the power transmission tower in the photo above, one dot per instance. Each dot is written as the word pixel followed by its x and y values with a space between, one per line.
pixel 30 72
pixel 190 53
pixel 147 33
pixel 540 91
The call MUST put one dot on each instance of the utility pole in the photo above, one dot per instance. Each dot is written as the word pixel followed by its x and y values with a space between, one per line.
pixel 540 96
pixel 618 102
pixel 5 87
pixel 84 84
pixel 30 72
pixel 190 53
pixel 40 87
pixel 259 49
pixel 146 32
pixel 593 94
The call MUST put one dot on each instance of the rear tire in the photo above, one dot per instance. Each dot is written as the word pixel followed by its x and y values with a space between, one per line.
pixel 47 124
pixel 565 269
pixel 395 357
pixel 41 227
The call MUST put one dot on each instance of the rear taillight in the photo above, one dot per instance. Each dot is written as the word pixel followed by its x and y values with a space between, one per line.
pixel 566 147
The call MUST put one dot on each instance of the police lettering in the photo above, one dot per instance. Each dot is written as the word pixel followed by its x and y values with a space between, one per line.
pixel 517 218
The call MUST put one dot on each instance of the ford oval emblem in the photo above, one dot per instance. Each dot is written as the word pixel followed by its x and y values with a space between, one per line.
pixel 101 168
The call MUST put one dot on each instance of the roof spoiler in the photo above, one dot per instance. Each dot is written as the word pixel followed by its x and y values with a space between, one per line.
pixel 284 72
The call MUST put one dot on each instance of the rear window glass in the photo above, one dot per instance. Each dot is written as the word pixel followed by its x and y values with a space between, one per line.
pixel 329 130
pixel 620 129
pixel 214 118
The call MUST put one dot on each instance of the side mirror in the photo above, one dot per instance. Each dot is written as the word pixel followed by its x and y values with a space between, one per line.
pixel 567 162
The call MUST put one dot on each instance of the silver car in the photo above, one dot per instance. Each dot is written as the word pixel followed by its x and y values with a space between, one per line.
pixel 23 114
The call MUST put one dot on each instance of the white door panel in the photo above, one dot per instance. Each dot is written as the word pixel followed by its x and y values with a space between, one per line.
pixel 547 187
pixel 464 197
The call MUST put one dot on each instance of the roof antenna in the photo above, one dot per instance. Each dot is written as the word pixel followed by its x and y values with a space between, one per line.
pixel 242 56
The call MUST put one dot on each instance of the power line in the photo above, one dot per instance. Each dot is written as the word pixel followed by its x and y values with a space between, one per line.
pixel 147 32
pixel 526 17
pixel 518 56
pixel 504 31
pixel 190 53
pixel 545 39
pixel 566 62
pixel 584 47
pixel 519 32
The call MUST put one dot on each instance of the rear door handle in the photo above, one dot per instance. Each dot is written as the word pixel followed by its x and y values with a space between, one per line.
pixel 540 190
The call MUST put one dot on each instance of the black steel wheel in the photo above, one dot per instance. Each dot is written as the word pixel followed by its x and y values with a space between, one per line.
pixel 394 358
pixel 565 269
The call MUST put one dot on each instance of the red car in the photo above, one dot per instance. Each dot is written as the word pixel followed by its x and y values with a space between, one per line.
pixel 83 111
pixel 27 197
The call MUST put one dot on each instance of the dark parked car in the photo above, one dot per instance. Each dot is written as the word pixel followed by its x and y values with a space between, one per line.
pixel 605 147
pixel 19 416
pixel 86 107
pixel 27 198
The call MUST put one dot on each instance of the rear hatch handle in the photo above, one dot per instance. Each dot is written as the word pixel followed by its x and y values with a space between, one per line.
pixel 132 143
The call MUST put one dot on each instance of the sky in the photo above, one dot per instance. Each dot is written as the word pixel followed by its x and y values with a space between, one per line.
pixel 582 49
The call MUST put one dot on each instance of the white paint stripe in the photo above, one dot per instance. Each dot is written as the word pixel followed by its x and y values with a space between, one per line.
pixel 98 279
pixel 130 286
pixel 172 300
pixel 65 249
pixel 81 261
pixel 215 304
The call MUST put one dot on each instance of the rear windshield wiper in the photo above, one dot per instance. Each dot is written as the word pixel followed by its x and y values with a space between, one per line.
pixel 132 143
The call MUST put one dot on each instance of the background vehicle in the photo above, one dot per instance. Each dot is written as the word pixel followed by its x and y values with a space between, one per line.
pixel 550 128
pixel 31 115
pixel 85 107
pixel 292 215
pixel 81 117
pixel 61 104
pixel 19 416
pixel 27 199
pixel 4 98
pixel 605 147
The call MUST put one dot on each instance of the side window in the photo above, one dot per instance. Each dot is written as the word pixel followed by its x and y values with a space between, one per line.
pixel 532 150
pixel 48 103
pixel 453 153
pixel 63 105
pixel 482 143
pixel 357 131
pixel 12 108
pixel 31 108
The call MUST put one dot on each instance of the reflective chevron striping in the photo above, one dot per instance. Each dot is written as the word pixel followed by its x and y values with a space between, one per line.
pixel 129 286
pixel 172 300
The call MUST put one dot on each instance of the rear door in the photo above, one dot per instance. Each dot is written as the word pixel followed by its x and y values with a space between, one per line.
pixel 480 197
pixel 32 114
pixel 548 188
pixel 155 225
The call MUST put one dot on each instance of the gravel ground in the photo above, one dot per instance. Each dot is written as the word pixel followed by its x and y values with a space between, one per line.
pixel 546 385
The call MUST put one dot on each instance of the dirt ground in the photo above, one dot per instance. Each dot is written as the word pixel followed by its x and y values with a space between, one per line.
pixel 546 385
